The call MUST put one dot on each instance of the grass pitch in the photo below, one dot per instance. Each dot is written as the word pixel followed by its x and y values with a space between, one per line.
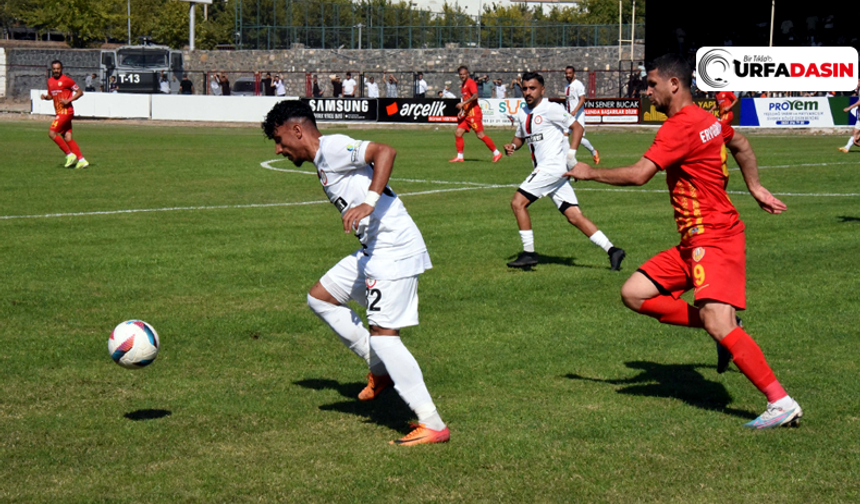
pixel 554 392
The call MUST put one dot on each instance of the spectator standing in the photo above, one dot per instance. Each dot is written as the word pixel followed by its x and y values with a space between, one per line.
pixel 372 88
pixel 420 86
pixel 215 85
pixel 501 89
pixel 317 90
pixel 391 86
pixel 485 87
pixel 185 85
pixel 336 86
pixel 517 87
pixel 266 81
pixel 349 86
pixel 88 83
pixel 280 87
pixel 164 84
pixel 225 85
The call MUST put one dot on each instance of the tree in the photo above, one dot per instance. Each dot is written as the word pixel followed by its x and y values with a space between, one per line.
pixel 82 21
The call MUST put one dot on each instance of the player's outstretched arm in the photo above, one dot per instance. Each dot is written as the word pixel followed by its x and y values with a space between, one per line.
pixel 745 157
pixel 856 104
pixel 636 175
pixel 381 156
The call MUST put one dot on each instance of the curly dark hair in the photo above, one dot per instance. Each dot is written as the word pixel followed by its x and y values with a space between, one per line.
pixel 284 111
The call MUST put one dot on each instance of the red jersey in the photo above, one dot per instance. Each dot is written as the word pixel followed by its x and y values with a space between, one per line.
pixel 64 87
pixel 690 147
pixel 724 103
pixel 467 90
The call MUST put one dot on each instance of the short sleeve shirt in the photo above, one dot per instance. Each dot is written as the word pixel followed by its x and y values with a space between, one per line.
pixel 574 92
pixel 389 233
pixel 349 87
pixel 690 148
pixel 62 88
pixel 467 90
pixel 543 130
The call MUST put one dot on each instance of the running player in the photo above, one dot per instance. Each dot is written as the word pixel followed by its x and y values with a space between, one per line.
pixel 382 275
pixel 544 127
pixel 726 100
pixel 574 94
pixel 855 137
pixel 63 90
pixel 711 259
pixel 470 117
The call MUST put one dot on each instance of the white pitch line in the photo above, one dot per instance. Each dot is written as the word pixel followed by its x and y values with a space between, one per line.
pixel 474 186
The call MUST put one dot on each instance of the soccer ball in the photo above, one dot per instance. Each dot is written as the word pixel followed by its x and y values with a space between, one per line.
pixel 133 344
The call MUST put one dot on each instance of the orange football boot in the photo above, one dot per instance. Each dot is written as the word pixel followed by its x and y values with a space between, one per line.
pixel 421 435
pixel 375 386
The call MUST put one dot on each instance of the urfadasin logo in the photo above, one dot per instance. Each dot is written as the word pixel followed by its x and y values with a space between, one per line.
pixel 777 68
pixel 715 68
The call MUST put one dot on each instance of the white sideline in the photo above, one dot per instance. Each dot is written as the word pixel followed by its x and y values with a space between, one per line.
pixel 471 186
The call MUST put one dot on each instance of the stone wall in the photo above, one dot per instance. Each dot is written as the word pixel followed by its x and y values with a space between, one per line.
pixel 28 68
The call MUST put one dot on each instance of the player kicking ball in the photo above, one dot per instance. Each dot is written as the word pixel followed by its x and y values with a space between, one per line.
pixel 63 90
pixel 382 275
pixel 543 126
pixel 711 258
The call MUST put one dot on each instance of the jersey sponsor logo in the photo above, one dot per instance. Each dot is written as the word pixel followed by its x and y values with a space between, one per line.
pixel 354 148
pixel 537 137
pixel 370 282
pixel 538 120
pixel 323 178
pixel 698 254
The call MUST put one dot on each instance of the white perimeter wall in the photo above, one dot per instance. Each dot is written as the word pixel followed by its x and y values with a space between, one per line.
pixel 164 107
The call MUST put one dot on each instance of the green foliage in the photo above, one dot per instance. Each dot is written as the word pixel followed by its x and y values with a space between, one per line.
pixel 553 390
pixel 83 21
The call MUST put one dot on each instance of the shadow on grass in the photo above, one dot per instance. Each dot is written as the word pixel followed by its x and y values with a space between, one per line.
pixel 563 261
pixel 845 218
pixel 678 381
pixel 387 410
pixel 147 414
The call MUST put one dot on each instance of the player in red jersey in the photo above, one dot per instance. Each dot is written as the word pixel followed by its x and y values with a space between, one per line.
pixel 63 90
pixel 470 117
pixel 711 259
pixel 726 101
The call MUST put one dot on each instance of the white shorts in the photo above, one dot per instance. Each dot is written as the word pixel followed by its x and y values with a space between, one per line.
pixel 581 120
pixel 390 304
pixel 540 184
pixel 857 121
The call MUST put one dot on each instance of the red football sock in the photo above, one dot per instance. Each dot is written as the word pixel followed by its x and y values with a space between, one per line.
pixel 62 144
pixel 74 147
pixel 489 141
pixel 460 144
pixel 669 310
pixel 750 360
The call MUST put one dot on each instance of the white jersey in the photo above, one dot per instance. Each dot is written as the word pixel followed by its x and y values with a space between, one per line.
pixel 389 237
pixel 543 130
pixel 574 92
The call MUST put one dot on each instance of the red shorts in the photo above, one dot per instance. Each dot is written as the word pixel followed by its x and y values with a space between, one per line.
pixel 716 270
pixel 62 123
pixel 473 121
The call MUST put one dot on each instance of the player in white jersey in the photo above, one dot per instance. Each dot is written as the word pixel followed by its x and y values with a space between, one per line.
pixel 544 127
pixel 382 275
pixel 574 95
pixel 855 136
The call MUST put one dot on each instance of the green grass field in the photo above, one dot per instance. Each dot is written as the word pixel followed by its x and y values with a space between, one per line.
pixel 553 390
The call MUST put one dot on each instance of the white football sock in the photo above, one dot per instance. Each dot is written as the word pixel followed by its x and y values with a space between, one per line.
pixel 601 240
pixel 850 143
pixel 528 238
pixel 408 379
pixel 349 328
pixel 459 155
pixel 496 152
pixel 585 143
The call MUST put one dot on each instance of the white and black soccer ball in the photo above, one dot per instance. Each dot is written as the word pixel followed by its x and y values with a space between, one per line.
pixel 133 344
